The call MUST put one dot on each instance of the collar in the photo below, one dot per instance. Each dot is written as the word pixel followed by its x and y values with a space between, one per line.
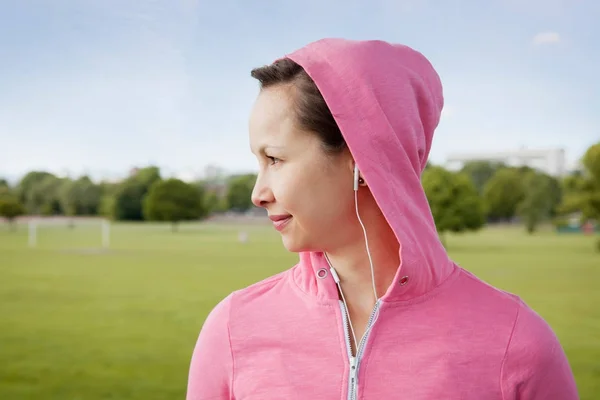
pixel 413 279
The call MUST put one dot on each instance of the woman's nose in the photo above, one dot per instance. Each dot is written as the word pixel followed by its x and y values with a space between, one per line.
pixel 261 193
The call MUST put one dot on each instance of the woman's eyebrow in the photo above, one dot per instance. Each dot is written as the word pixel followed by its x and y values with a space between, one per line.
pixel 262 149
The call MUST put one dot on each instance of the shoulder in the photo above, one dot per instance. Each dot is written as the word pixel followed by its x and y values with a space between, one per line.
pixel 211 371
pixel 532 340
pixel 525 327
pixel 239 302
pixel 260 289
pixel 535 365
pixel 211 368
pixel 218 319
pixel 493 304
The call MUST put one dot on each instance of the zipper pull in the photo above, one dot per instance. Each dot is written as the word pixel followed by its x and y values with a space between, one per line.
pixel 353 369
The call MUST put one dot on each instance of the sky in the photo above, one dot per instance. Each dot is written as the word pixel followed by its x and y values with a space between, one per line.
pixel 97 87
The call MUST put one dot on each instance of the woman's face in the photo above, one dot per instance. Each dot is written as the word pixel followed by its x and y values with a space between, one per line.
pixel 309 192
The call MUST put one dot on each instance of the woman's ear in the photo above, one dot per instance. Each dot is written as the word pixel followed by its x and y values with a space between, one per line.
pixel 355 172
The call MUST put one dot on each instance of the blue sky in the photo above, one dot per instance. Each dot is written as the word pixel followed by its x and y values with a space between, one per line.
pixel 97 87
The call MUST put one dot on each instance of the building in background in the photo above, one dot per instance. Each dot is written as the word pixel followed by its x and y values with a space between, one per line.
pixel 551 161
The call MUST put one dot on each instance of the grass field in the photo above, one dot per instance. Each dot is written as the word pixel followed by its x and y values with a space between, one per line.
pixel 76 323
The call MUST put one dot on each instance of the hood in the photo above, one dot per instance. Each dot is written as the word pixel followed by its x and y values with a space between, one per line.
pixel 387 100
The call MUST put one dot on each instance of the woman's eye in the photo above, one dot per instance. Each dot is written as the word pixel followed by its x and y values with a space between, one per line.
pixel 274 160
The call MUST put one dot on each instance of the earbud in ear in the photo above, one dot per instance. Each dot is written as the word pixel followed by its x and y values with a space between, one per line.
pixel 358 180
pixel 357 177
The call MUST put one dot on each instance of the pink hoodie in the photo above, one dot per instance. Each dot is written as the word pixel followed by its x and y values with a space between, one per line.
pixel 440 332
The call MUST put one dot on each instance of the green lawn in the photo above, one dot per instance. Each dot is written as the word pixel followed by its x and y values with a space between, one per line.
pixel 76 323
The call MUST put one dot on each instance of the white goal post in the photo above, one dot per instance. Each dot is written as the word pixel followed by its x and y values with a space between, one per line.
pixel 102 236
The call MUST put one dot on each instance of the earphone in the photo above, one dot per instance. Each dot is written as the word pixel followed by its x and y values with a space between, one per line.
pixel 357 181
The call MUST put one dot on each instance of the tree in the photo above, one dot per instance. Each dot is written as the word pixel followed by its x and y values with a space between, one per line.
pixel 28 182
pixel 556 194
pixel 214 203
pixel 146 176
pixel 173 200
pixel 108 192
pixel 591 203
pixel 80 197
pixel 591 199
pixel 239 195
pixel 127 205
pixel 128 199
pixel 47 195
pixel 537 200
pixel 481 172
pixel 38 191
pixel 573 188
pixel 455 204
pixel 10 206
pixel 582 190
pixel 591 162
pixel 503 193
pixel 107 206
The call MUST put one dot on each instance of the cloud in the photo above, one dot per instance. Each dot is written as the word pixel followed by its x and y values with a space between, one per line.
pixel 543 38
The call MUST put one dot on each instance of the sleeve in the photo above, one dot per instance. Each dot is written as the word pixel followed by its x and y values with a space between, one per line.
pixel 211 368
pixel 535 365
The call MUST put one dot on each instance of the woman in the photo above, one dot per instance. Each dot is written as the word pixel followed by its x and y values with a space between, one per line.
pixel 375 309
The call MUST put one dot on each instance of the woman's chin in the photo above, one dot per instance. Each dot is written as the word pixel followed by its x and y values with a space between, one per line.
pixel 293 243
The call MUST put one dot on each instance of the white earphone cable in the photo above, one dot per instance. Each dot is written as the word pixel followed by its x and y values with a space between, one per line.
pixel 334 273
pixel 367 246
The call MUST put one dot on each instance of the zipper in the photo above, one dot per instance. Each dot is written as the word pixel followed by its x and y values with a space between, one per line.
pixel 354 361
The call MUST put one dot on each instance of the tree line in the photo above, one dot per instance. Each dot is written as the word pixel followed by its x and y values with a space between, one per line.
pixel 143 196
pixel 484 192
pixel 481 192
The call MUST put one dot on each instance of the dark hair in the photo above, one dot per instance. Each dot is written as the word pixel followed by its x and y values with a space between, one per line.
pixel 312 113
